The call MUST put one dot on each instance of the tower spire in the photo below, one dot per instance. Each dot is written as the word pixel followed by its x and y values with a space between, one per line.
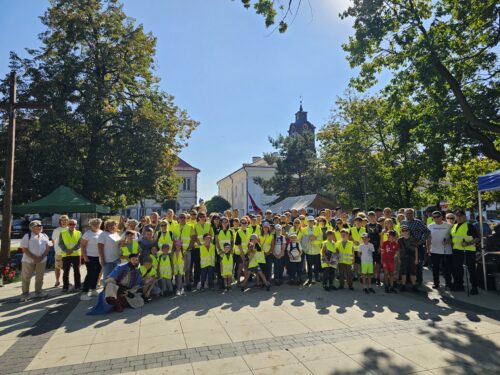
pixel 300 109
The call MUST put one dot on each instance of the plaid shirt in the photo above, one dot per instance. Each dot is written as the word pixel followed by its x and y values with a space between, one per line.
pixel 418 229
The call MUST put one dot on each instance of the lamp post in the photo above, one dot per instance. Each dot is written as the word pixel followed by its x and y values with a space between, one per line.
pixel 11 107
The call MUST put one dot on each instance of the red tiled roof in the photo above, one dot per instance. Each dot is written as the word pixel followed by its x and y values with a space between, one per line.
pixel 183 166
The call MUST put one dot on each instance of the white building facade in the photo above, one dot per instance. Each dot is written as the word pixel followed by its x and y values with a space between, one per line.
pixel 239 187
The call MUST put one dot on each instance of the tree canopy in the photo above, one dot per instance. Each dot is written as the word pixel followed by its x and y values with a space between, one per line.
pixel 112 133
pixel 217 204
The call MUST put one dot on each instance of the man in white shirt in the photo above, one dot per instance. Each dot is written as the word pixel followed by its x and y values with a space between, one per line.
pixel 58 263
pixel 439 248
pixel 35 246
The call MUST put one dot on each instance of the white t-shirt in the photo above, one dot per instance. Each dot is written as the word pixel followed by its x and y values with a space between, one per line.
pixel 440 232
pixel 366 252
pixel 36 245
pixel 55 239
pixel 111 242
pixel 92 237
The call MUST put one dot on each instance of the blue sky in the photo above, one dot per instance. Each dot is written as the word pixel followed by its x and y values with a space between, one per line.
pixel 224 68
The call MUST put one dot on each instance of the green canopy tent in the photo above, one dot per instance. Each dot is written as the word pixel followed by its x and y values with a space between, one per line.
pixel 63 199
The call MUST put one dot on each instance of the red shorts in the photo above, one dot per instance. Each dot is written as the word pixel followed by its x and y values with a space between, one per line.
pixel 388 266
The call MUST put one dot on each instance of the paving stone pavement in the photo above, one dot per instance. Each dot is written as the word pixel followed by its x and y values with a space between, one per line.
pixel 288 330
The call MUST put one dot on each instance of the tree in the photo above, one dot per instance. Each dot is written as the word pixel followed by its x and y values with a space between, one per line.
pixel 298 171
pixel 372 138
pixel 217 204
pixel 113 133
pixel 444 49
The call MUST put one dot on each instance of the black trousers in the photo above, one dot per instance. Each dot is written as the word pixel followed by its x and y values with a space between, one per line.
pixel 195 262
pixel 328 276
pixel 68 263
pixel 313 261
pixel 458 271
pixel 93 269
pixel 446 261
pixel 268 267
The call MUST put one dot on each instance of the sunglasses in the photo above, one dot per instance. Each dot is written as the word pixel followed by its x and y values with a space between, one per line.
pixel 437 216
pixel 163 225
pixel 71 225
pixel 404 230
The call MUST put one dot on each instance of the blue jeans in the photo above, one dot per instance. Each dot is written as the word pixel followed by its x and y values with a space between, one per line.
pixel 295 269
pixel 279 266
pixel 207 272
pixel 108 267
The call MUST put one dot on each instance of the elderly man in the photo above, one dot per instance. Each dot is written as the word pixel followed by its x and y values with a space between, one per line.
pixel 420 232
pixel 464 238
pixel 69 242
pixel 35 246
pixel 58 264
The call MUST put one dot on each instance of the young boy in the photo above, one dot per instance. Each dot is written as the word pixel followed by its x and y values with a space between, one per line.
pixel 148 275
pixel 329 259
pixel 408 248
pixel 165 270
pixel 366 251
pixel 226 266
pixel 254 268
pixel 390 251
pixel 178 261
pixel 294 251
pixel 207 261
pixel 345 249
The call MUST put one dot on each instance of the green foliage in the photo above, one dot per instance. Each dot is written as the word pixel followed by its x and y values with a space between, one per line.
pixel 444 50
pixel 112 133
pixel 217 204
pixel 298 170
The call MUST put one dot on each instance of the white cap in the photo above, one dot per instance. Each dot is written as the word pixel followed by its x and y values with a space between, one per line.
pixel 309 218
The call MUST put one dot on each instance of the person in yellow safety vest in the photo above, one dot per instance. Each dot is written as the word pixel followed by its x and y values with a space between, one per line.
pixel 356 232
pixel 345 220
pixel 254 226
pixel 266 242
pixel 226 266
pixel 224 236
pixel 178 260
pixel 296 229
pixel 329 260
pixel 173 225
pixel 69 243
pixel 187 235
pixel 464 238
pixel 241 248
pixel 207 261
pixel 397 226
pixel 388 225
pixel 148 275
pixel 192 217
pixel 315 239
pixel 165 270
pixel 202 227
pixel 254 266
pixel 129 245
pixel 346 259
pixel 165 235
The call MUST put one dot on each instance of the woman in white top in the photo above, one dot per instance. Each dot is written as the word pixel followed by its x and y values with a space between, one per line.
pixel 90 254
pixel 35 246
pixel 108 245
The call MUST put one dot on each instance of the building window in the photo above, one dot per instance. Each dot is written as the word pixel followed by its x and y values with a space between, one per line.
pixel 186 184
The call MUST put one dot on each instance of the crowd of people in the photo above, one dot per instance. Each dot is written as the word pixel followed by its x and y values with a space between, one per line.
pixel 193 251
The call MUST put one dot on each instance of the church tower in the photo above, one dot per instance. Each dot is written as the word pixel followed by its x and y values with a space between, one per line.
pixel 301 125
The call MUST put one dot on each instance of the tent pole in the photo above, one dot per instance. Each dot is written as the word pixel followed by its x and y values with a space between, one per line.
pixel 482 238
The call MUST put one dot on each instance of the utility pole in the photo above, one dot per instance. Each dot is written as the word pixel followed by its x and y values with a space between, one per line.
pixel 11 107
pixel 363 168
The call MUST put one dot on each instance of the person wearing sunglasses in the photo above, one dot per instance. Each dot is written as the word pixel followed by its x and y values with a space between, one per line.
pixel 439 249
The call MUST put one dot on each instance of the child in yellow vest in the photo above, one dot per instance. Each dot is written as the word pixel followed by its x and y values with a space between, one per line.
pixel 346 259
pixel 254 267
pixel 207 261
pixel 165 268
pixel 148 275
pixel 226 266
pixel 329 260
pixel 178 261
pixel 129 245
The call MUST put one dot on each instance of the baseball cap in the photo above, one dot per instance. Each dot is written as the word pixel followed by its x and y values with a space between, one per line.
pixel 364 235
pixel 253 236
pixel 310 218
pixel 277 227
pixel 35 223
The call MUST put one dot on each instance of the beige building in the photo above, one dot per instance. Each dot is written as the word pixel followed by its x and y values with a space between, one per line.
pixel 239 187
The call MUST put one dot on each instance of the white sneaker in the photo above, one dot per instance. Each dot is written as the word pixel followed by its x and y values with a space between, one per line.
pixel 94 293
pixel 182 291
pixel 24 298
pixel 198 287
pixel 85 297
pixel 178 293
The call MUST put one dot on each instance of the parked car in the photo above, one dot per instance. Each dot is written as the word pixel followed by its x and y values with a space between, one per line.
pixel 18 228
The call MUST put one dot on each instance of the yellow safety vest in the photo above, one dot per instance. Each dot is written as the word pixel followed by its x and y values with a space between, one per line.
pixel 226 264
pixel 126 250
pixel 397 228
pixel 147 273
pixel 202 230
pixel 207 256
pixel 459 234
pixel 164 238
pixel 178 260
pixel 356 235
pixel 71 240
pixel 315 244
pixel 254 260
pixel 225 237
pixel 174 227
pixel 430 220
pixel 245 238
pixel 165 267
pixel 255 230
pixel 327 246
pixel 345 253
pixel 297 232
pixel 185 234
pixel 266 242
